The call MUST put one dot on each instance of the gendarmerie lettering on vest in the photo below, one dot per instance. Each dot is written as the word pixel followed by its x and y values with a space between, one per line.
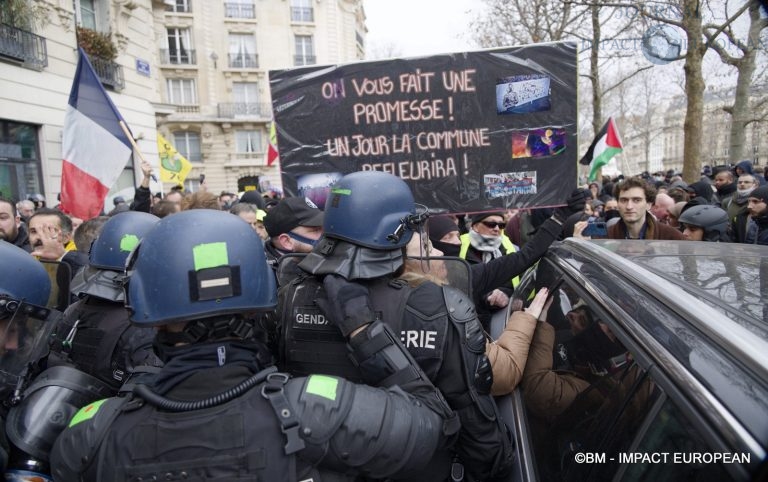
pixel 418 338
pixel 311 319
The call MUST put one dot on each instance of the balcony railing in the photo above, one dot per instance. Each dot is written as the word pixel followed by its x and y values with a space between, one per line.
pixel 241 109
pixel 178 57
pixel 240 10
pixel 187 108
pixel 300 60
pixel 110 73
pixel 23 46
pixel 302 14
pixel 243 61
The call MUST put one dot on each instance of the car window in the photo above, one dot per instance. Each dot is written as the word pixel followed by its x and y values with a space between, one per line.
pixel 603 421
pixel 674 442
pixel 584 391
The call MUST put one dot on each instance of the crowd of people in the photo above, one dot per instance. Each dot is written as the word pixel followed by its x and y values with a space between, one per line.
pixel 178 313
pixel 728 204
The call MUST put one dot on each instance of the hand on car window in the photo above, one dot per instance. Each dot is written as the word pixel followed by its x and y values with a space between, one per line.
pixel 538 303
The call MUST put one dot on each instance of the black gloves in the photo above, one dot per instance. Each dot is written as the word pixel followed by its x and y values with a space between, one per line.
pixel 576 202
pixel 346 304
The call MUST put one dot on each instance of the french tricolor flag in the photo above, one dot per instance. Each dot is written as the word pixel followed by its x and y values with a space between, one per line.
pixel 95 147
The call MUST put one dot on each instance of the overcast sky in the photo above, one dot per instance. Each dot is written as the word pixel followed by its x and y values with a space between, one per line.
pixel 407 28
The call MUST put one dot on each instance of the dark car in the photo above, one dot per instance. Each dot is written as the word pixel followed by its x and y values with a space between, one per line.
pixel 665 379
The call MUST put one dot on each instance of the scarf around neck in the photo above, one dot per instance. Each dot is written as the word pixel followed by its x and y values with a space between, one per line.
pixel 488 245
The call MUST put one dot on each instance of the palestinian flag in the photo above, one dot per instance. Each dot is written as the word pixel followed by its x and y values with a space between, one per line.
pixel 607 144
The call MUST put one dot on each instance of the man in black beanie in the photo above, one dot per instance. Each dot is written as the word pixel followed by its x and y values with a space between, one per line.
pixel 444 234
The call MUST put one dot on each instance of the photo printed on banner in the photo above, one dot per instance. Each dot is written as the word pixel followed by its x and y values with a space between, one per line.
pixel 509 184
pixel 522 94
pixel 538 142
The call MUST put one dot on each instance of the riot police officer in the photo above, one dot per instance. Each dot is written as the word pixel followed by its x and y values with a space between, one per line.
pixel 369 219
pixel 95 335
pixel 218 409
pixel 24 291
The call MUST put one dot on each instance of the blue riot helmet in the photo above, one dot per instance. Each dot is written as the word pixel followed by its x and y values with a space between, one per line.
pixel 371 209
pixel 103 277
pixel 369 218
pixel 22 279
pixel 25 322
pixel 117 239
pixel 198 264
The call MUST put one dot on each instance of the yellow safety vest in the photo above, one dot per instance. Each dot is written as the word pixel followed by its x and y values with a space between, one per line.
pixel 505 241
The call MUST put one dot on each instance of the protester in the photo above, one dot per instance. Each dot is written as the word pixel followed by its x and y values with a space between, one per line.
pixel 726 187
pixel 705 223
pixel 253 216
pixel 142 197
pixel 12 229
pixel 634 197
pixel 738 209
pixel 26 209
pixel 50 232
pixel 757 230
pixel 294 225
pixel 87 232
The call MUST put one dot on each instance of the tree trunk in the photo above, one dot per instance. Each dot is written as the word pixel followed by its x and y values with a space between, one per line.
pixel 594 74
pixel 694 91
pixel 741 113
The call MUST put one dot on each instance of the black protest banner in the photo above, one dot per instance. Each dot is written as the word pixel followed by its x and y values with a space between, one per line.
pixel 468 132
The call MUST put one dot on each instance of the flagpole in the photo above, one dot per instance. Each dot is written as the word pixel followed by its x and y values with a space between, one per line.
pixel 131 140
pixel 135 146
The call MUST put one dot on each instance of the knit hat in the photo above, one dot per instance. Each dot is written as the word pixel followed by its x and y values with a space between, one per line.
pixel 477 217
pixel 760 193
pixel 439 226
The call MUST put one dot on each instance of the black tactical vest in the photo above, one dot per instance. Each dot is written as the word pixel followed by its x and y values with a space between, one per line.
pixel 102 344
pixel 437 325
pixel 239 440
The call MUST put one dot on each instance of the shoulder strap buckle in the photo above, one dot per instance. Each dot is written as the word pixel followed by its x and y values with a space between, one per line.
pixel 273 391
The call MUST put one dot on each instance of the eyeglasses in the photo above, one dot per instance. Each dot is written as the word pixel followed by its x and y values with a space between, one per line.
pixel 491 225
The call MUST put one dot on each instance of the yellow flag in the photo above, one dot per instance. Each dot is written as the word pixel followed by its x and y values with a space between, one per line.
pixel 173 166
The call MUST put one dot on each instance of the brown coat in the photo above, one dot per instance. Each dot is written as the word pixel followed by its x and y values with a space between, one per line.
pixel 655 230
pixel 509 353
pixel 548 393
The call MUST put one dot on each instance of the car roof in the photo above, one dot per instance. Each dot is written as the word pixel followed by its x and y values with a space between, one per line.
pixel 730 277
pixel 701 302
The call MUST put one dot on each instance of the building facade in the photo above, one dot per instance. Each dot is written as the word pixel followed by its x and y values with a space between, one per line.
pixel 195 71
pixel 716 129
pixel 654 141
pixel 38 57
pixel 213 59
